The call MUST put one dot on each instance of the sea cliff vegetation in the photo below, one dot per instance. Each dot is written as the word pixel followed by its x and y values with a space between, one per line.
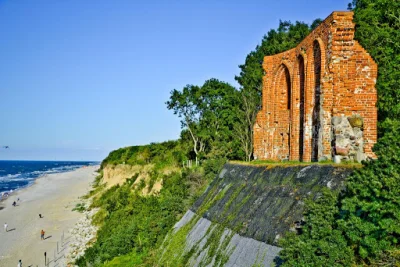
pixel 355 227
pixel 132 223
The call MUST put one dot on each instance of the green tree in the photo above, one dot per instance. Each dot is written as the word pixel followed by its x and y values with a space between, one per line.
pixel 185 104
pixel 219 102
pixel 378 31
pixel 247 113
pixel 208 114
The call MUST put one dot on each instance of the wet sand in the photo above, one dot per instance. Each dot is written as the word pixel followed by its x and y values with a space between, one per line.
pixel 54 196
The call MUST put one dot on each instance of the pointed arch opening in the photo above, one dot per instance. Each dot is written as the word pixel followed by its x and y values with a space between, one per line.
pixel 283 105
pixel 316 121
pixel 301 74
pixel 288 89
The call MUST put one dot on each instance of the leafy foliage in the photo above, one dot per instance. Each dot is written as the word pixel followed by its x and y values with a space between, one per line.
pixel 370 208
pixel 207 114
pixel 378 31
pixel 135 222
pixel 319 245
pixel 80 207
pixel 360 225
pixel 132 259
pixel 165 153
pixel 132 226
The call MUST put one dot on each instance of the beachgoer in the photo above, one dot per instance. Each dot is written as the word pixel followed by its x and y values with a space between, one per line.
pixel 14 204
pixel 5 227
pixel 18 199
pixel 42 234
pixel 40 215
pixel 19 263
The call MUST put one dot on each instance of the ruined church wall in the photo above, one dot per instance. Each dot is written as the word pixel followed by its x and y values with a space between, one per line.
pixel 327 75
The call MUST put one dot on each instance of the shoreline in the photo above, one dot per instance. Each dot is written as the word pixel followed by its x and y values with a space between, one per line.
pixel 12 192
pixel 54 196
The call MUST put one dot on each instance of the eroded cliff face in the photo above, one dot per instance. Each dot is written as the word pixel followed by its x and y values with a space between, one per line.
pixel 117 175
pixel 243 213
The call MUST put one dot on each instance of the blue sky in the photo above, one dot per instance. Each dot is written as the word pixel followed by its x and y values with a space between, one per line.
pixel 79 78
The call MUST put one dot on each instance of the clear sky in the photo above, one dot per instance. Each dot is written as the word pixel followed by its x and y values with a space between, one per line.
pixel 79 78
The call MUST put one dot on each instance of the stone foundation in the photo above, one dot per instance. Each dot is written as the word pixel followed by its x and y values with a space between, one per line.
pixel 348 139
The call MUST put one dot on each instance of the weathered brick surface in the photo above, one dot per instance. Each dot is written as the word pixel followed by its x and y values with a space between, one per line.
pixel 328 74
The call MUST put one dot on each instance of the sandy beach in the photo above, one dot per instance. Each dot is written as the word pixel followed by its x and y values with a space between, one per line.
pixel 54 196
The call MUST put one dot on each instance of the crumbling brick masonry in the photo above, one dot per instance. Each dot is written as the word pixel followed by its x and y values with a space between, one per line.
pixel 319 98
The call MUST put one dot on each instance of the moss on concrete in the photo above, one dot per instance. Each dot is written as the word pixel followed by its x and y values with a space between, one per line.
pixel 255 204
pixel 262 202
pixel 174 247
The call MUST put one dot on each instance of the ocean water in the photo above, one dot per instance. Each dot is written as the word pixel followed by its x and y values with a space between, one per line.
pixel 15 175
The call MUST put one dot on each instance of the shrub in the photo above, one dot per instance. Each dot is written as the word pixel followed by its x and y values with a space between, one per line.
pixel 361 224
pixel 80 207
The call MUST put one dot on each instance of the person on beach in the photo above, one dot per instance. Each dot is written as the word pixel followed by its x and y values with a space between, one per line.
pixel 14 204
pixel 5 227
pixel 40 216
pixel 42 234
pixel 19 263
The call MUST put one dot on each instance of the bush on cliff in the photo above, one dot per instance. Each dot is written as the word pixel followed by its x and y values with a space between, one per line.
pixel 132 225
pixel 320 244
pixel 362 224
pixel 135 222
pixel 165 153
pixel 370 207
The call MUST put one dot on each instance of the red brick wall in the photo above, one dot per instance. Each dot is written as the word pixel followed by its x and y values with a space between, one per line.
pixel 330 62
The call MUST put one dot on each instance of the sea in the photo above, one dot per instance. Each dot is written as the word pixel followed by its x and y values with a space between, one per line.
pixel 15 175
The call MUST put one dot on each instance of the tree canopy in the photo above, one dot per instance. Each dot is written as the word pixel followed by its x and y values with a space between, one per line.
pixel 378 31
pixel 208 113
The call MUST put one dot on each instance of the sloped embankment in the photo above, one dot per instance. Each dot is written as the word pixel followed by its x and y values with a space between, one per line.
pixel 243 213
pixel 118 174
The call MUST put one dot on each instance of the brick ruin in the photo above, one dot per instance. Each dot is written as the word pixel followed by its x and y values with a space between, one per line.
pixel 318 99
